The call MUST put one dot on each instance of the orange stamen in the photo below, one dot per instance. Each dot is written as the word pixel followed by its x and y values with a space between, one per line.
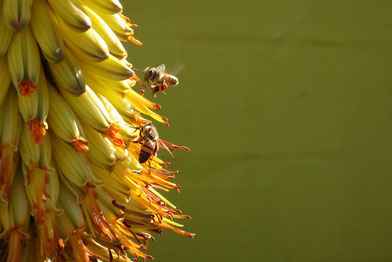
pixel 139 119
pixel 112 133
pixel 171 146
pixel 184 233
pixel 137 79
pixel 128 21
pixel 37 130
pixel 90 197
pixel 125 18
pixel 80 145
pixel 166 121
pixel 27 87
pixel 135 41
pixel 156 107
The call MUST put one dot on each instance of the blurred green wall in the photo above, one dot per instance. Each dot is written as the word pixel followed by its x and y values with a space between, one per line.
pixel 286 106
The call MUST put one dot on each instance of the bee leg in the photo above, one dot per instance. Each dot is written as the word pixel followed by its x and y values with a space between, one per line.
pixel 137 128
pixel 142 91
pixel 138 141
pixel 164 87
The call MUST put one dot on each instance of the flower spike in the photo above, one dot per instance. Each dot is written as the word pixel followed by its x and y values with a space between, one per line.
pixel 80 178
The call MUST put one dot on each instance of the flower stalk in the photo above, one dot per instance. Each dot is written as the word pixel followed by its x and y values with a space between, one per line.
pixel 72 186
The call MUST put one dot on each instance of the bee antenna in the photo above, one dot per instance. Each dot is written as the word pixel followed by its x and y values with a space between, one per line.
pixel 138 70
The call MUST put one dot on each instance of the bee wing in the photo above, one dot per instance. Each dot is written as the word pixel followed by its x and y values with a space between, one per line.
pixel 177 69
pixel 161 67
pixel 165 147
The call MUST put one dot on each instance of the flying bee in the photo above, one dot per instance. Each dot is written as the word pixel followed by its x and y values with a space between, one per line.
pixel 159 79
pixel 150 143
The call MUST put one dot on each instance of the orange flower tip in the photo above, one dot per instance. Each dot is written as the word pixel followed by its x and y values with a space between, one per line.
pixel 156 107
pixel 112 131
pixel 137 79
pixel 37 130
pixel 131 73
pixel 125 18
pixel 133 25
pixel 166 121
pixel 27 87
pixel 80 145
pixel 135 41
pixel 139 119
pixel 166 164
pixel 177 210
pixel 118 142
pixel 121 56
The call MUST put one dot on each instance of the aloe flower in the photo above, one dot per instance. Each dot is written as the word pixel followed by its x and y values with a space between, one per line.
pixel 72 187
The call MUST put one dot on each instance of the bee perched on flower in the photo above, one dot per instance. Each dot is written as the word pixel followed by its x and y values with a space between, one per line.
pixel 72 186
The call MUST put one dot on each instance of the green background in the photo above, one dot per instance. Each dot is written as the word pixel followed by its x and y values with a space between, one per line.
pixel 286 105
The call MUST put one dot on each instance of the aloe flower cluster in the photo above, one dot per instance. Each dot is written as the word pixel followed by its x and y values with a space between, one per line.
pixel 71 184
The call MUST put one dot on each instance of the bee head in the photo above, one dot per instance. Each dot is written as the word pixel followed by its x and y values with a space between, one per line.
pixel 146 129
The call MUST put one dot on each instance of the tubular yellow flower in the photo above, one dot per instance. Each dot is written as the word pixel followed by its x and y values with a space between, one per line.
pixel 67 75
pixel 72 185
pixel 45 25
pixel 24 61
pixel 17 14
pixel 10 126
pixel 6 34
pixel 64 123
pixel 5 78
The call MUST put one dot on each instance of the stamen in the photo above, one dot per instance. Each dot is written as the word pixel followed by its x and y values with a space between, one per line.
pixel 135 41
pixel 112 133
pixel 80 145
pixel 27 87
pixel 37 130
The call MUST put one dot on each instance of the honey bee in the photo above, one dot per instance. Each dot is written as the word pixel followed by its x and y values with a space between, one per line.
pixel 149 141
pixel 158 79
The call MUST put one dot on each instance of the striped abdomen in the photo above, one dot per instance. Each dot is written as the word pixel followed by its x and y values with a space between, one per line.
pixel 149 148
pixel 170 79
